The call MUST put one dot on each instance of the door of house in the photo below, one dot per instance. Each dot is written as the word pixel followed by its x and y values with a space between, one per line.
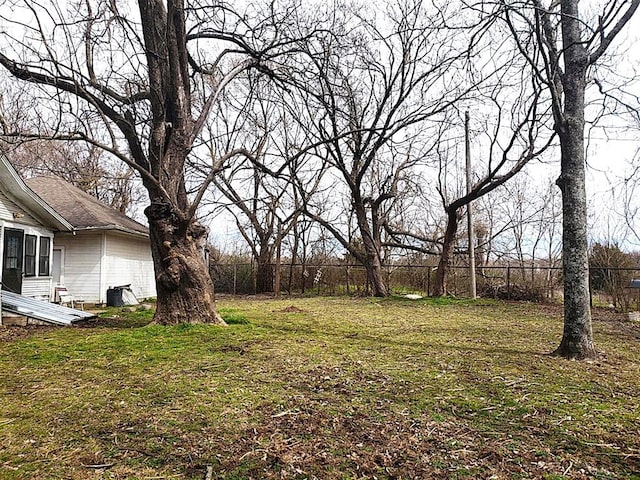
pixel 12 260
pixel 57 266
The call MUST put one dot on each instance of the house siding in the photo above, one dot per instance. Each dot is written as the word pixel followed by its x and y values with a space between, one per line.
pixel 8 208
pixel 82 255
pixel 128 261
pixel 94 262
pixel 37 287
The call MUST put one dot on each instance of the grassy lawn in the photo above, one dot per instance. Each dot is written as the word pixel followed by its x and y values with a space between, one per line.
pixel 326 388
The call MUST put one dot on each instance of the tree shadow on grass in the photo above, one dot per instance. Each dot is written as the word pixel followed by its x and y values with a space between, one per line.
pixel 406 345
pixel 117 322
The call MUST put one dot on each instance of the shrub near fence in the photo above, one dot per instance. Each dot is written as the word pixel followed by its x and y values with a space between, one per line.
pixel 537 283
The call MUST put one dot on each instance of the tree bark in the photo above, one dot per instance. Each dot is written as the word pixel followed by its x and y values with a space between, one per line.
pixel 577 337
pixel 184 286
pixel 448 242
pixel 264 267
pixel 372 251
pixel 375 277
pixel 264 271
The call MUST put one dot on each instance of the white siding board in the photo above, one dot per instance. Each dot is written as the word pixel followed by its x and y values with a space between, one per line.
pixel 8 207
pixel 128 261
pixel 5 208
pixel 82 264
pixel 37 287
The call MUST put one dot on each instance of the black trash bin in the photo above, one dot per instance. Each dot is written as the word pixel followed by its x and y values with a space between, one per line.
pixel 114 297
pixel 121 296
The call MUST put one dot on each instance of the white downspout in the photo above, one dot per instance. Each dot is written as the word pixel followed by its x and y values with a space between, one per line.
pixel 102 294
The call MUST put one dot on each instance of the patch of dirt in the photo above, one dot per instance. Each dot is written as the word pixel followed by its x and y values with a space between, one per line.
pixel 12 333
pixel 603 314
pixel 289 309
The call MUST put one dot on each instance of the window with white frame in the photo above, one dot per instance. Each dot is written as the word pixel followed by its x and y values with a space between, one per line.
pixel 30 255
pixel 44 260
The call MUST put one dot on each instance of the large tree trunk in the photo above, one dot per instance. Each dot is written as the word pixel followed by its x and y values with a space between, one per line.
pixel 264 271
pixel 448 242
pixel 184 287
pixel 375 277
pixel 577 338
pixel 372 259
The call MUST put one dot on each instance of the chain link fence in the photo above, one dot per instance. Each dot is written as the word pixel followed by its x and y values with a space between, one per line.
pixel 328 279
pixel 610 286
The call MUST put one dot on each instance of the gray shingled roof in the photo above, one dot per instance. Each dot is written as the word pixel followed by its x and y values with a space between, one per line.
pixel 80 209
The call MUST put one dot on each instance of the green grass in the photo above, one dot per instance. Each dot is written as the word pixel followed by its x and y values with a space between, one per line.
pixel 322 388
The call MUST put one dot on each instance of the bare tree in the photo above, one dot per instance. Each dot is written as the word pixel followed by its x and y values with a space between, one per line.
pixel 517 135
pixel 83 165
pixel 260 210
pixel 562 49
pixel 140 85
pixel 532 212
pixel 374 90
pixel 259 195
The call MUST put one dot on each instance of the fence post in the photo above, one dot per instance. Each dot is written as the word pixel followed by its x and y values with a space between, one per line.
pixel 389 280
pixel 235 278
pixel 278 273
pixel 533 282
pixel 428 281
pixel 590 290
pixel 453 276
pixel 508 282
pixel 346 271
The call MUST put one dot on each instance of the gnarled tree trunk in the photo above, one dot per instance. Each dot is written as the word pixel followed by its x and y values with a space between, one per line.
pixel 184 287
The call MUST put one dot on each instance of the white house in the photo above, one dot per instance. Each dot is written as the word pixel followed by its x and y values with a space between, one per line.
pixel 104 249
pixel 52 233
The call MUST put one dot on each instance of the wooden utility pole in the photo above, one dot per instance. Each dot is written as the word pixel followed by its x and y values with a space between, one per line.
pixel 470 239
pixel 278 275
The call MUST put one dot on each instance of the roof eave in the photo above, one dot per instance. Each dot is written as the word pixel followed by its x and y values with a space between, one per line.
pixel 117 228
pixel 25 194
